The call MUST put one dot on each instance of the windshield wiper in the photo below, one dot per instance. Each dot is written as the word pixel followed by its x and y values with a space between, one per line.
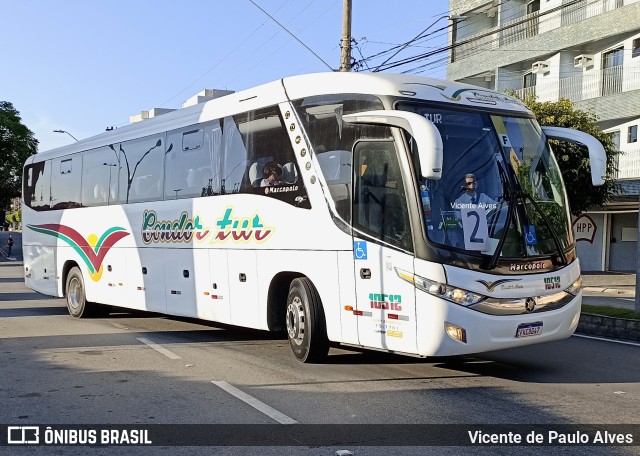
pixel 517 198
pixel 545 219
pixel 507 225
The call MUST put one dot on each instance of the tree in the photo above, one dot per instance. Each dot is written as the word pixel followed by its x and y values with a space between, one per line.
pixel 574 161
pixel 17 143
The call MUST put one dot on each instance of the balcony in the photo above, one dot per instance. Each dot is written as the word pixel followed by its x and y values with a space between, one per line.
pixel 588 85
pixel 530 25
pixel 629 164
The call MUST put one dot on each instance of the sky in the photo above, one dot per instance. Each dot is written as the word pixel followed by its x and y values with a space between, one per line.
pixel 82 66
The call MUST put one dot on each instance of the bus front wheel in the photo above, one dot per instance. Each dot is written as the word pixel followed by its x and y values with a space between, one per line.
pixel 306 326
pixel 77 303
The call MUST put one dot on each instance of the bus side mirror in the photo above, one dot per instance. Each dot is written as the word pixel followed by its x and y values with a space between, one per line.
pixel 597 155
pixel 424 132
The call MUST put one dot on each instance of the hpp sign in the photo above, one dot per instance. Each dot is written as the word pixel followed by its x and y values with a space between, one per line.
pixel 584 228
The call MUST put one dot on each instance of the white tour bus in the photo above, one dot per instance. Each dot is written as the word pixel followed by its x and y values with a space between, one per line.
pixel 390 212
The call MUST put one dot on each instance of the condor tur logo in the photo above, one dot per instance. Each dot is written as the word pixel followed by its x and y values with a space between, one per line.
pixel 492 285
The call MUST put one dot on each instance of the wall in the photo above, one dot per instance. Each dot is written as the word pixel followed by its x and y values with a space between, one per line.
pixel 629 160
pixel 622 255
pixel 585 228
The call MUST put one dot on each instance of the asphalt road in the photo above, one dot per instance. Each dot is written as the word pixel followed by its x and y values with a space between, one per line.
pixel 131 369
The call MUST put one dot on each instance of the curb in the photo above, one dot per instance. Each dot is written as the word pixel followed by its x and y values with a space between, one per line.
pixel 617 291
pixel 609 327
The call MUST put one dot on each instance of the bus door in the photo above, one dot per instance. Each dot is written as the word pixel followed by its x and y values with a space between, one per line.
pixel 382 245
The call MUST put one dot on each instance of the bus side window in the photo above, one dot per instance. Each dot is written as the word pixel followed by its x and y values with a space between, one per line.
pixel 99 177
pixel 38 188
pixel 141 162
pixel 270 160
pixel 192 162
pixel 65 182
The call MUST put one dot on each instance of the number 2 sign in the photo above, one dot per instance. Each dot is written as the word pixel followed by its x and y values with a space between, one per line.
pixel 474 228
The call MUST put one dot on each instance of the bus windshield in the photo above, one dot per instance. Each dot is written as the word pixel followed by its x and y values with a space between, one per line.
pixel 501 191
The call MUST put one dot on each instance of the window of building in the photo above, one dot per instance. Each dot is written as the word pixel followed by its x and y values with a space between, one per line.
pixel 529 80
pixel 635 48
pixel 633 134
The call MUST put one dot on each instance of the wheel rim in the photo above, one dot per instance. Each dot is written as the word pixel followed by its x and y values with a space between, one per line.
pixel 74 295
pixel 296 321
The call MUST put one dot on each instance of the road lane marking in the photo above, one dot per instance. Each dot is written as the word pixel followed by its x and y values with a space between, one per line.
pixel 159 348
pixel 608 340
pixel 255 403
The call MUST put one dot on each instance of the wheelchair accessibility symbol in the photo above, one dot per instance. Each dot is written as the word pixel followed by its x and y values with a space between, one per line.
pixel 530 235
pixel 359 250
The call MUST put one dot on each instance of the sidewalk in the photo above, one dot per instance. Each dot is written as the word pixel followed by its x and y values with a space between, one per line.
pixel 614 284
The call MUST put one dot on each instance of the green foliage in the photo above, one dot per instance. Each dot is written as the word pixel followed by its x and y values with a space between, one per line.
pixel 17 143
pixel 554 213
pixel 574 161
pixel 614 312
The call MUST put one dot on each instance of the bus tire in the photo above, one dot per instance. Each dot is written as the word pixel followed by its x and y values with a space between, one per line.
pixel 77 303
pixel 306 327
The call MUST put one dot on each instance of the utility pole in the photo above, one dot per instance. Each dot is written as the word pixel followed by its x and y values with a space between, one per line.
pixel 345 42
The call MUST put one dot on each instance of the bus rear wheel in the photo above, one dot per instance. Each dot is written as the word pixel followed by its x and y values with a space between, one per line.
pixel 77 303
pixel 306 327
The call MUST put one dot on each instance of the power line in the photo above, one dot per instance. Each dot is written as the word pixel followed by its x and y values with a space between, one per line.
pixel 292 35
pixel 221 60
pixel 470 20
pixel 475 38
pixel 257 63
pixel 418 36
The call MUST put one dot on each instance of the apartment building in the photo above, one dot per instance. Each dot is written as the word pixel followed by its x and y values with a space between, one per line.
pixel 585 50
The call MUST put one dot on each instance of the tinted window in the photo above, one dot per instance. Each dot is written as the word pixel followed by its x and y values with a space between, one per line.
pixel 259 159
pixel 37 185
pixel 332 140
pixel 140 176
pixel 65 182
pixel 191 162
pixel 99 177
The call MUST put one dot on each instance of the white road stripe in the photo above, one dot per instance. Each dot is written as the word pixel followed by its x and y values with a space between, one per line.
pixel 255 403
pixel 635 344
pixel 159 348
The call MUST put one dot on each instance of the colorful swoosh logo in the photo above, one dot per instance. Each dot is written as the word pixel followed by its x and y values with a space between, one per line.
pixel 92 250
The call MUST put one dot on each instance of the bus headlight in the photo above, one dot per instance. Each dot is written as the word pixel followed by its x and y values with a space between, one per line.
pixel 442 290
pixel 575 287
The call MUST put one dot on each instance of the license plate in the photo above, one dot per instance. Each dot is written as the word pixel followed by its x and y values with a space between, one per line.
pixel 529 329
